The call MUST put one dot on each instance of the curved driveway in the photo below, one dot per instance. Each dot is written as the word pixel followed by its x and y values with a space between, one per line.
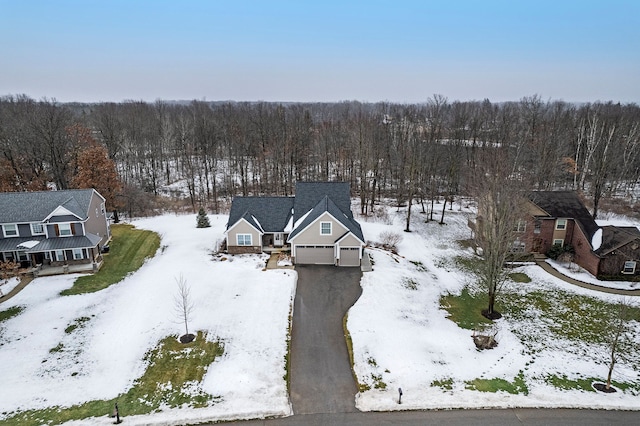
pixel 320 371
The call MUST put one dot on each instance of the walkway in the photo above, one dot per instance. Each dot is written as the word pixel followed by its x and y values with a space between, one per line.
pixel 23 283
pixel 540 260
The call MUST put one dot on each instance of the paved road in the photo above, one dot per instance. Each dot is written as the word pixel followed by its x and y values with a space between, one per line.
pixel 321 377
pixel 517 416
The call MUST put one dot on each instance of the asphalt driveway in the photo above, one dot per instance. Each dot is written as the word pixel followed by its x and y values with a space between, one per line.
pixel 321 378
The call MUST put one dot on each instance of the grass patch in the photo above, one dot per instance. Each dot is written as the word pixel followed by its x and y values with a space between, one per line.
pixel 10 313
pixel 518 386
pixel 171 380
pixel 409 284
pixel 464 310
pixel 78 322
pixel 129 249
pixel 56 348
pixel 520 277
pixel 584 383
pixel 446 384
pixel 362 387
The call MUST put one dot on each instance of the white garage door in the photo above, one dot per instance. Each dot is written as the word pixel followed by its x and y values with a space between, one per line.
pixel 350 256
pixel 315 255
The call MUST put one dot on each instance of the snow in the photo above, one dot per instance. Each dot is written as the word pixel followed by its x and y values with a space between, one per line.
pixel 596 241
pixel 403 339
pixel 576 272
pixel 401 336
pixel 236 301
pixel 6 287
pixel 29 244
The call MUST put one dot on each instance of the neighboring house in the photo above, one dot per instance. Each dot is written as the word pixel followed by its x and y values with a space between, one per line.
pixel 560 218
pixel 317 225
pixel 49 229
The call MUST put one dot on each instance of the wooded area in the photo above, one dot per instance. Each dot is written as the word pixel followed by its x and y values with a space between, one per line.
pixel 411 153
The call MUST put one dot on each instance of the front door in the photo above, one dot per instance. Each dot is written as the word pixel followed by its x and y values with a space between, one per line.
pixel 277 239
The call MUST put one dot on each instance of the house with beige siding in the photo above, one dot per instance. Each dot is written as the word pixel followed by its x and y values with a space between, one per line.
pixel 316 224
pixel 54 231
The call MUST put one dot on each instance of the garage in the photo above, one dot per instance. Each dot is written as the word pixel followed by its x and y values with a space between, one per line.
pixel 350 256
pixel 314 255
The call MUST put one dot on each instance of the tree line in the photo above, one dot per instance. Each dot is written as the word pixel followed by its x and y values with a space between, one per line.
pixel 415 153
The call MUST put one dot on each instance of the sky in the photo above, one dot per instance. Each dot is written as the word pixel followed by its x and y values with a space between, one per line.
pixel 320 51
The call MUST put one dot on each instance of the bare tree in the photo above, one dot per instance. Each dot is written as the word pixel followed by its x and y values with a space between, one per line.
pixel 619 344
pixel 183 305
pixel 500 196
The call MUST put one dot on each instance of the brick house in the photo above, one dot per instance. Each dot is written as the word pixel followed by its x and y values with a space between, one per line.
pixel 560 218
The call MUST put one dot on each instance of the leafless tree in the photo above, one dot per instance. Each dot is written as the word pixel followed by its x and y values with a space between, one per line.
pixel 617 338
pixel 183 303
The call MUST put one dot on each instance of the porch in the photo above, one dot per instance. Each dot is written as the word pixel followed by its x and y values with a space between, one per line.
pixel 42 270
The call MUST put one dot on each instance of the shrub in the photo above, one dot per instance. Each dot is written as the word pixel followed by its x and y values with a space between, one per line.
pixel 390 240
pixel 202 219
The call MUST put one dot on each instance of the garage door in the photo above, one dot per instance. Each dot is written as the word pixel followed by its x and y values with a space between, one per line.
pixel 350 256
pixel 315 255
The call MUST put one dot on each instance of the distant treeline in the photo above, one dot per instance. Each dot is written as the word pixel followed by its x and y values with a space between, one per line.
pixel 415 151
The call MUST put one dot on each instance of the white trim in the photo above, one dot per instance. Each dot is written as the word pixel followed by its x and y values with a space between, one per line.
pixel 64 255
pixel 245 221
pixel 633 265
pixel 17 229
pixel 61 211
pixel 244 240
pixel 558 224
pixel 60 229
pixel 42 225
pixel 330 228
pixel 76 251
pixel 561 242
pixel 346 235
pixel 313 222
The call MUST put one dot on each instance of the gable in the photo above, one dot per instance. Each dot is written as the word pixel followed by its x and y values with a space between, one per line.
pixel 565 204
pixel 311 234
pixel 243 226
pixel 309 194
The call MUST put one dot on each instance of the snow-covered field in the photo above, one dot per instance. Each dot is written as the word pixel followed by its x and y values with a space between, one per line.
pixel 401 336
pixel 403 339
pixel 235 301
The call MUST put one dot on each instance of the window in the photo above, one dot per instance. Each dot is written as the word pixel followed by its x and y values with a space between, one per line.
pixel 521 226
pixel 518 247
pixel 10 230
pixel 37 229
pixel 537 226
pixel 22 256
pixel 558 242
pixel 629 267
pixel 561 224
pixel 59 255
pixel 325 228
pixel 64 229
pixel 78 254
pixel 244 239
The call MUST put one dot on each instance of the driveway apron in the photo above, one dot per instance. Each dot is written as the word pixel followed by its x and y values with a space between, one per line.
pixel 321 377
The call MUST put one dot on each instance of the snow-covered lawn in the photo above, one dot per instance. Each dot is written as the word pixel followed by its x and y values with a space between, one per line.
pixel 235 300
pixel 402 337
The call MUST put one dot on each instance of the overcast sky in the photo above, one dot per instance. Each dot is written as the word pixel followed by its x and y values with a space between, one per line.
pixel 320 50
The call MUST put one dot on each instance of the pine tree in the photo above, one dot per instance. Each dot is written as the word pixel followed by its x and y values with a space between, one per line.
pixel 202 219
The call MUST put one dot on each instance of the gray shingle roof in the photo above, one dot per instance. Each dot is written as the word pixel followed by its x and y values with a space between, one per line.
pixel 326 204
pixel 309 194
pixel 272 213
pixel 11 244
pixel 614 237
pixel 566 204
pixel 24 207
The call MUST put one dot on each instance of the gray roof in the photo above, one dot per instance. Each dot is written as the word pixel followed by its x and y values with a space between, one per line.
pixel 614 237
pixel 66 243
pixel 309 194
pixel 25 207
pixel 11 244
pixel 272 213
pixel 326 204
pixel 566 204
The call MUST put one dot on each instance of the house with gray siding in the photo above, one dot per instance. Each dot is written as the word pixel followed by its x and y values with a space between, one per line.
pixel 316 224
pixel 54 230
